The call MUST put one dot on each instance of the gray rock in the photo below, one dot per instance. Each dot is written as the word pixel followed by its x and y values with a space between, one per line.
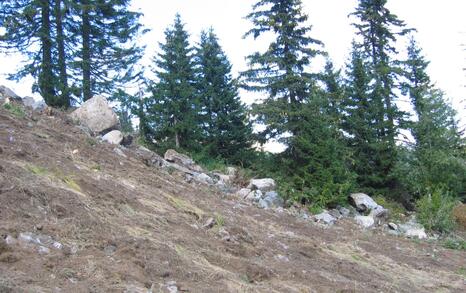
pixel 173 156
pixel 412 229
pixel 362 202
pixel 8 93
pixel 344 212
pixel 325 218
pixel 203 178
pixel 255 196
pixel 209 223
pixel 379 212
pixel 150 158
pixel 365 221
pixel 43 250
pixel 335 213
pixel 96 114
pixel 243 192
pixel 36 105
pixel 113 137
pixel 264 184
pixel 273 199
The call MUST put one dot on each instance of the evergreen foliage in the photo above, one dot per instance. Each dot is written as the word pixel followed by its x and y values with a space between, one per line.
pixel 226 131
pixel 378 30
pixel 174 108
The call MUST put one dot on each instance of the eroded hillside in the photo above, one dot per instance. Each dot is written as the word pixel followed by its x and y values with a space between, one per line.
pixel 78 216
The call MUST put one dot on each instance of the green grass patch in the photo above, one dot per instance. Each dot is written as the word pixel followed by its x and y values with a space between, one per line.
pixel 461 271
pixel 219 220
pixel 37 170
pixel 71 183
pixel 186 207
pixel 454 243
pixel 15 110
pixel 397 211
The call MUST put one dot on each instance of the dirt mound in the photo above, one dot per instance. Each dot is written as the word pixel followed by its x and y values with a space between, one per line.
pixel 77 216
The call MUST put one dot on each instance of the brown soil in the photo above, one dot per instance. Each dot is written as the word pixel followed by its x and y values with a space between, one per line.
pixel 127 227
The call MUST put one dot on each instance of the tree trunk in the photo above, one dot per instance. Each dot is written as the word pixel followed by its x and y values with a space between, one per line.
pixel 177 135
pixel 46 80
pixel 63 78
pixel 86 50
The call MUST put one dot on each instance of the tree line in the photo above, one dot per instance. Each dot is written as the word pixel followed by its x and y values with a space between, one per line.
pixel 342 128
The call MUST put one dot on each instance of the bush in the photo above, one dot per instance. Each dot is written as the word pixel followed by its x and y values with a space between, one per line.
pixel 435 210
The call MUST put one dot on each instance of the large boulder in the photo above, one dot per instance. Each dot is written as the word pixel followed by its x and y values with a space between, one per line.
pixel 365 221
pixel 173 156
pixel 264 185
pixel 96 114
pixel 362 202
pixel 113 137
pixel 8 93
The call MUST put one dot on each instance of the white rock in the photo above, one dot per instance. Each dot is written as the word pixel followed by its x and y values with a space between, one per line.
pixel 264 185
pixel 173 156
pixel 255 196
pixel 96 114
pixel 325 218
pixel 365 221
pixel 203 178
pixel 344 211
pixel 243 192
pixel 362 202
pixel 232 171
pixel 43 250
pixel 271 199
pixel 412 229
pixel 113 137
pixel 393 226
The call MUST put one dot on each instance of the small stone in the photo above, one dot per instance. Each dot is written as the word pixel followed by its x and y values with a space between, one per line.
pixel 344 211
pixel 210 223
pixel 335 213
pixel 10 240
pixel 325 218
pixel 203 178
pixel 113 137
pixel 264 185
pixel 393 226
pixel 365 221
pixel 74 152
pixel 43 250
pixel 57 245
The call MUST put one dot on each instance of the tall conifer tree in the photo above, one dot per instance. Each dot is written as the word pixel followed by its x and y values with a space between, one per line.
pixel 174 108
pixel 227 133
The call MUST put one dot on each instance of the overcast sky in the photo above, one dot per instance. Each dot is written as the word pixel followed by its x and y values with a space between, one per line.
pixel 441 29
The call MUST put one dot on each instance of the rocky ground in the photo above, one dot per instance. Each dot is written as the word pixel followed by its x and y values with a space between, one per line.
pixel 81 215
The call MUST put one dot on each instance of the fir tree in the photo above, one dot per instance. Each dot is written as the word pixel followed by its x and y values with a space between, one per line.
pixel 437 160
pixel 173 110
pixel 378 29
pixel 226 130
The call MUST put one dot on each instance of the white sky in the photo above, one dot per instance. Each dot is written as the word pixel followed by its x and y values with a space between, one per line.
pixel 441 29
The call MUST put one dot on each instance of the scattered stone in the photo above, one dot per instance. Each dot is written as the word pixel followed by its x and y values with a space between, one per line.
pixel 74 152
pixel 110 249
pixel 271 199
pixel 264 185
pixel 335 213
pixel 255 196
pixel 96 114
pixel 173 156
pixel 243 192
pixel 150 158
pixel 344 212
pixel 412 229
pixel 365 221
pixel 362 202
pixel 113 137
pixel 10 240
pixel 379 212
pixel 172 287
pixel 36 105
pixel 203 178
pixel 393 226
pixel 210 223
pixel 325 218
pixel 43 250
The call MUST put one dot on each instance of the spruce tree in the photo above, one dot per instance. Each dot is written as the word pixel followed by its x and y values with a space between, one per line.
pixel 227 132
pixel 173 110
pixel 378 30
pixel 437 157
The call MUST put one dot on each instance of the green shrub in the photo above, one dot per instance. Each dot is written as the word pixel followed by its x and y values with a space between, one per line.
pixel 15 110
pixel 435 210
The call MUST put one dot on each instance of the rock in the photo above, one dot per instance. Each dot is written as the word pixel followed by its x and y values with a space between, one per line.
pixel 271 199
pixel 183 160
pixel 10 240
pixel 8 93
pixel 150 158
pixel 344 212
pixel 255 196
pixel 96 114
pixel 379 212
pixel 43 250
pixel 325 218
pixel 231 171
pixel 335 213
pixel 412 229
pixel 243 192
pixel 264 185
pixel 119 152
pixel 392 226
pixel 113 137
pixel 365 221
pixel 362 202
pixel 30 102
pixel 203 178
pixel 210 223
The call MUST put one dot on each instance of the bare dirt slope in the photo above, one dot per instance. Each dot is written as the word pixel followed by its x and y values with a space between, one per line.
pixel 126 227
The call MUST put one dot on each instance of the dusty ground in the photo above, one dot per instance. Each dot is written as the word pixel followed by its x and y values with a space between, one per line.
pixel 127 227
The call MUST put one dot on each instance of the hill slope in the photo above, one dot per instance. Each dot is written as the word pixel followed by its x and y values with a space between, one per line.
pixel 75 216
